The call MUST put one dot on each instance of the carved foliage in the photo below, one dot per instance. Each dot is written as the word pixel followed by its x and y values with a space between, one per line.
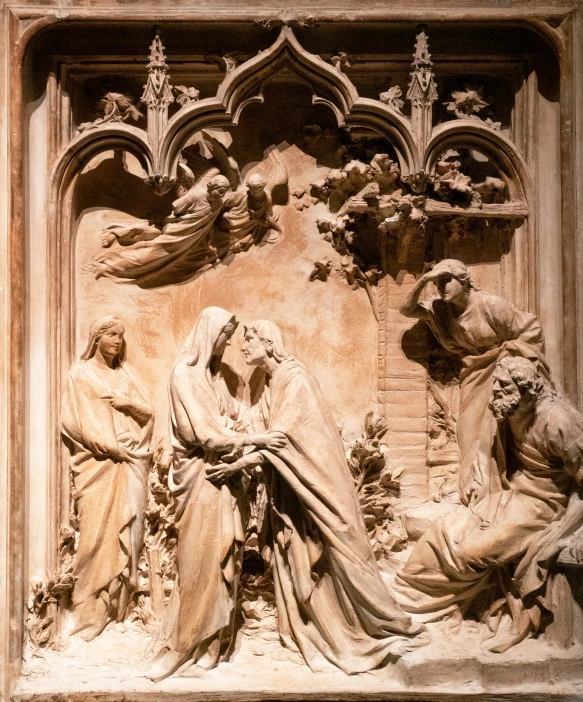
pixel 378 487
pixel 227 61
pixel 115 107
pixel 467 103
pixel 341 61
pixel 442 410
pixel 288 18
pixel 186 96
pixel 392 98
pixel 370 202
pixel 157 564
pixel 45 595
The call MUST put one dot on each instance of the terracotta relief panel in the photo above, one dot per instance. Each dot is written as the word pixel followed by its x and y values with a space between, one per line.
pixel 303 424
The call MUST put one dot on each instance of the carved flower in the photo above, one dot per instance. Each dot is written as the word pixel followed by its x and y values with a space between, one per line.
pixel 467 102
pixel 341 61
pixel 120 105
pixel 392 98
pixel 493 125
pixel 186 95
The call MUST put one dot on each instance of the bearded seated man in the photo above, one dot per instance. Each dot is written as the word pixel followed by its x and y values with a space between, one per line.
pixel 503 548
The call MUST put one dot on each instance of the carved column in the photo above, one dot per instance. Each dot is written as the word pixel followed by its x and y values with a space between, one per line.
pixel 422 92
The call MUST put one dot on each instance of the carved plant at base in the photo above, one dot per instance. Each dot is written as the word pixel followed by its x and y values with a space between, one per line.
pixel 258 613
pixel 442 410
pixel 46 595
pixel 40 621
pixel 378 487
pixel 256 599
pixel 157 570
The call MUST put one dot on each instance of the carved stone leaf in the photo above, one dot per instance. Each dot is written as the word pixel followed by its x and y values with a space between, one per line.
pixel 467 102
pixel 391 97
pixel 186 95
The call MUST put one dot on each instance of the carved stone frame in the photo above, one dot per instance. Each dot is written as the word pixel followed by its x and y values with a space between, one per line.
pixel 561 26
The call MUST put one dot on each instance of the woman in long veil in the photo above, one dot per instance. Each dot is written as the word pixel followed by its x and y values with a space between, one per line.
pixel 106 424
pixel 206 427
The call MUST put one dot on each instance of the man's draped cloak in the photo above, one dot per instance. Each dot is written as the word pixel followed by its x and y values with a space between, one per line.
pixel 489 329
pixel 331 599
pixel 461 554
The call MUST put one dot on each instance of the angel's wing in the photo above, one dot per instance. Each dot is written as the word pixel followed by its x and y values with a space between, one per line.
pixel 272 169
pixel 186 179
pixel 213 145
pixel 194 169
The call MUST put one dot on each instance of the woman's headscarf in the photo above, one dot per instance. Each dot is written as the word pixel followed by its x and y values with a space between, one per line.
pixel 97 330
pixel 456 269
pixel 198 347
pixel 270 332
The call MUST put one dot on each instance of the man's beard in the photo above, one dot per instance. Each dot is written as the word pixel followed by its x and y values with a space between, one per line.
pixel 504 404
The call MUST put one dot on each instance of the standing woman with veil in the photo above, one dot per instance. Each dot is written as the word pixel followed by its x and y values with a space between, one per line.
pixel 205 428
pixel 106 424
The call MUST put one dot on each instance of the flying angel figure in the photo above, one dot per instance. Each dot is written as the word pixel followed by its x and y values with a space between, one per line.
pixel 249 211
pixel 209 186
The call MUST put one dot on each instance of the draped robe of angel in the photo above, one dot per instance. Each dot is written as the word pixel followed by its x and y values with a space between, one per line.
pixel 533 508
pixel 111 494
pixel 202 227
pixel 490 328
pixel 204 420
pixel 149 255
pixel 249 212
pixel 331 600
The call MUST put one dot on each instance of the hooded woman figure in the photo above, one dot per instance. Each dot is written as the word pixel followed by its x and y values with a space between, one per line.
pixel 106 425
pixel 205 427
pixel 331 600
pixel 481 328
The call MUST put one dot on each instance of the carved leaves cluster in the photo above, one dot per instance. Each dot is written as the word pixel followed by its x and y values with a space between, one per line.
pixel 372 204
pixel 378 487
pixel 157 565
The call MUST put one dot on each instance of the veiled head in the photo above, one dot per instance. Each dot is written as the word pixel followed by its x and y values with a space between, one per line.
pixel 107 333
pixel 209 337
pixel 263 340
pixel 218 185
pixel 454 279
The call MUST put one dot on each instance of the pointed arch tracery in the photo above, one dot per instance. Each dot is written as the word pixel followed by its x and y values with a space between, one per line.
pixel 242 86
pixel 495 145
pixel 417 149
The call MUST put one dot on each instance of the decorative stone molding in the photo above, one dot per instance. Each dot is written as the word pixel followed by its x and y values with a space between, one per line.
pixel 361 196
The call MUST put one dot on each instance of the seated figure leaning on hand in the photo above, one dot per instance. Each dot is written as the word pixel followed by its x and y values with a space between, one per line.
pixel 535 509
